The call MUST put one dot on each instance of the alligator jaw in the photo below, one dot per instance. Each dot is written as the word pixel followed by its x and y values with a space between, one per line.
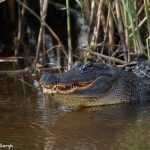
pixel 65 88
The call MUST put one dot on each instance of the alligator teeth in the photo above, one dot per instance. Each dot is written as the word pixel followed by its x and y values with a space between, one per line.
pixel 65 87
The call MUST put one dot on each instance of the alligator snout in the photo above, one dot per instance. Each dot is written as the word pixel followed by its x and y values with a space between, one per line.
pixel 48 78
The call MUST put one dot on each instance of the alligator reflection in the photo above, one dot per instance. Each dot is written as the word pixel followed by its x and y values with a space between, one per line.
pixel 29 121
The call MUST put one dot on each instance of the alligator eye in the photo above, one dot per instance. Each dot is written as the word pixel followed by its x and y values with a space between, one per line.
pixel 88 65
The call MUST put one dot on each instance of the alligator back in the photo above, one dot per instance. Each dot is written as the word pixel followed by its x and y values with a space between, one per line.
pixel 142 81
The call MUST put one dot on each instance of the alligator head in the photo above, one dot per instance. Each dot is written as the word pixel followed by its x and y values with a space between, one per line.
pixel 86 84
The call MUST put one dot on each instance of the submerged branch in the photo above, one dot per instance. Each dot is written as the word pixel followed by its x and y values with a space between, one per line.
pixel 14 72
pixel 26 83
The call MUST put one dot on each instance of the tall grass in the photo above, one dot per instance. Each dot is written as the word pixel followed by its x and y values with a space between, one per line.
pixel 119 29
pixel 130 19
pixel 147 12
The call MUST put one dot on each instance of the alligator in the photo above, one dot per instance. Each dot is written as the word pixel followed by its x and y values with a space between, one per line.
pixel 94 84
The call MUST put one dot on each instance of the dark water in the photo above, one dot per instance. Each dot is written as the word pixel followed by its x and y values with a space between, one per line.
pixel 30 122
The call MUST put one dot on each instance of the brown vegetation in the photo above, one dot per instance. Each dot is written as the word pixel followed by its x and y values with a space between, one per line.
pixel 118 30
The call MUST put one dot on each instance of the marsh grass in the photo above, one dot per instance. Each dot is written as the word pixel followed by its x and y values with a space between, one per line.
pixel 116 28
pixel 129 18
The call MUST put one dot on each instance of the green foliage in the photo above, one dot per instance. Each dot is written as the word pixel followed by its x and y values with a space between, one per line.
pixel 147 12
pixel 80 3
pixel 131 24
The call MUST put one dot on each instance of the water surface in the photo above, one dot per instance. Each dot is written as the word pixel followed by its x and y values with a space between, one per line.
pixel 30 121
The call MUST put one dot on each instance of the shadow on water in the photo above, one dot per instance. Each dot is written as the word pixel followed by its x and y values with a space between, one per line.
pixel 30 121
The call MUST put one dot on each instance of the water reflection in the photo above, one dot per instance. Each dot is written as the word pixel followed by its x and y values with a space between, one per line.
pixel 30 121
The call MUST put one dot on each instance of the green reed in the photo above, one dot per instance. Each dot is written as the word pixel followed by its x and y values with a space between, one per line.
pixel 147 12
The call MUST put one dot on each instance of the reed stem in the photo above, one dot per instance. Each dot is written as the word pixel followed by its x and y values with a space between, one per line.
pixel 69 35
